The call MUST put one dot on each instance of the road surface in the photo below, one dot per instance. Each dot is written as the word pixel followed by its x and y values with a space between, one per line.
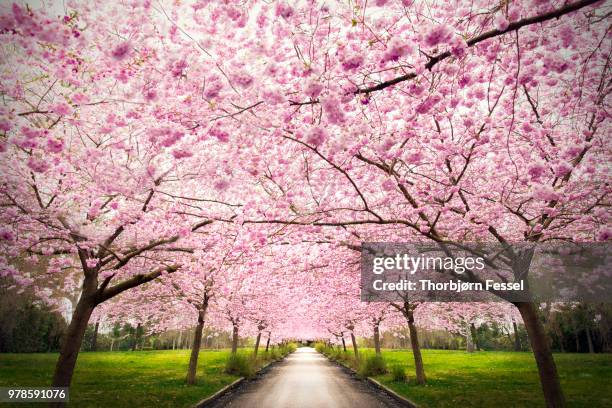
pixel 305 379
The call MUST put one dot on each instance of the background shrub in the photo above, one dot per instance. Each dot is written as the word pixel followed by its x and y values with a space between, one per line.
pixel 240 364
pixel 372 365
pixel 398 373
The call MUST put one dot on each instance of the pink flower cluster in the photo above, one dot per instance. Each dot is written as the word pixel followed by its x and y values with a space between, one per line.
pixel 6 234
pixel 121 51
pixel 55 145
pixel 177 69
pixel 213 87
pixel 313 88
pixel 397 48
pixel 284 10
pixel 437 35
pixel 220 134
pixel 316 136
pixel 38 165
pixel 181 153
pixel 61 109
pixel 352 62
pixel 332 109
pixel 242 79
pixel 501 22
pixel 536 171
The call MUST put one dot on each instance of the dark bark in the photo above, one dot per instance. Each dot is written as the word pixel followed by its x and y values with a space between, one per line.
pixel 64 368
pixel 377 339
pixel 268 342
pixel 577 336
pixel 136 337
pixel 94 341
pixel 416 348
pixel 474 336
pixel 355 349
pixel 257 343
pixel 235 339
pixel 197 342
pixel 549 379
pixel 517 339
pixel 343 343
pixel 590 340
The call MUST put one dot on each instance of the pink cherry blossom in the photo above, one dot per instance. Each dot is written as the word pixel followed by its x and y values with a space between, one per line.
pixel 501 22
pixel 121 51
pixel 437 35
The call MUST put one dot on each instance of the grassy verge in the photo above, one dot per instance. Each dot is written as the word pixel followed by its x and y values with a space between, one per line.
pixel 244 364
pixel 483 379
pixel 128 379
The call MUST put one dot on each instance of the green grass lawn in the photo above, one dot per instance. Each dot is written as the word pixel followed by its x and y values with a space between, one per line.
pixel 123 379
pixel 501 379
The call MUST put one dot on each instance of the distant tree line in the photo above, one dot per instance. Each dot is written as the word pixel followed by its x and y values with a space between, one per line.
pixel 28 326
pixel 572 328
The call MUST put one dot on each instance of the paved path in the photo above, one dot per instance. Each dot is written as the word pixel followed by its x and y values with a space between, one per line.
pixel 306 379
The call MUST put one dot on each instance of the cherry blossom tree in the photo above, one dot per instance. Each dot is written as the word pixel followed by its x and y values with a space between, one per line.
pixel 92 170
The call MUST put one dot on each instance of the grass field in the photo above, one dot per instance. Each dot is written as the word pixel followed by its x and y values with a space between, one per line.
pixel 500 379
pixel 455 378
pixel 122 379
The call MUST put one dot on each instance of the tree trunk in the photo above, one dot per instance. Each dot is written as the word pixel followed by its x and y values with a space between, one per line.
pixel 268 342
pixel 257 343
pixel 94 342
pixel 549 379
pixel 474 336
pixel 64 368
pixel 377 339
pixel 354 340
pixel 197 342
pixel 517 339
pixel 136 337
pixel 416 348
pixel 577 336
pixel 590 340
pixel 469 346
pixel 235 339
pixel 343 343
